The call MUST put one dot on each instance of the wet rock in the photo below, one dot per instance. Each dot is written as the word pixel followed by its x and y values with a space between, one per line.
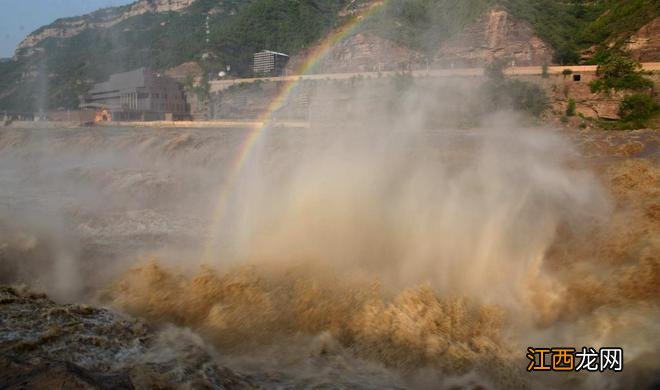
pixel 47 345
pixel 49 374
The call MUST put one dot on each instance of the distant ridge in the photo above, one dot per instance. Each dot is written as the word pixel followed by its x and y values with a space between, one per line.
pixel 59 62
pixel 103 18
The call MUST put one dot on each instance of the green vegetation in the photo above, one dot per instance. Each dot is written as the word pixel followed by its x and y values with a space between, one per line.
pixel 618 20
pixel 503 93
pixel 557 22
pixel 424 24
pixel 572 25
pixel 8 76
pixel 570 110
pixel 567 25
pixel 63 69
pixel 521 96
pixel 637 109
pixel 280 25
pixel 201 90
pixel 495 69
pixel 620 72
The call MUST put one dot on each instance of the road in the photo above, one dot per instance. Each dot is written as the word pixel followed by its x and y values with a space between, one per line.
pixel 219 85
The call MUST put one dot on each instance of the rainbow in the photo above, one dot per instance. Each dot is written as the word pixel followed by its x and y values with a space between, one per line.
pixel 265 119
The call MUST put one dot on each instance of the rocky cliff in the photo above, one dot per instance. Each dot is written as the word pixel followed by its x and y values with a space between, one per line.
pixel 496 35
pixel 402 34
pixel 362 52
pixel 645 43
pixel 69 27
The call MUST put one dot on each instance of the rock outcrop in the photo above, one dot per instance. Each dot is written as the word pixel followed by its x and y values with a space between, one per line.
pixel 644 45
pixel 587 104
pixel 362 52
pixel 46 345
pixel 69 27
pixel 184 70
pixel 496 35
pixel 601 105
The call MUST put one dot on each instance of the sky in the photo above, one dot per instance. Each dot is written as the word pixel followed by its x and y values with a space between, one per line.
pixel 18 18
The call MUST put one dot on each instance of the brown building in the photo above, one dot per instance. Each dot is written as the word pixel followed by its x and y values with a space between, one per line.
pixel 137 95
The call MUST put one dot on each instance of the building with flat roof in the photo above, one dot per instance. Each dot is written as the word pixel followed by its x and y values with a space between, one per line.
pixel 269 63
pixel 138 95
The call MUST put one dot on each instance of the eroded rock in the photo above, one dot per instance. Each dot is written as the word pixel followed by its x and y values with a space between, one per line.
pixel 46 345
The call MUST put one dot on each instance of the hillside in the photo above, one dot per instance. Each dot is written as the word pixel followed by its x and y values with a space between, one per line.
pixel 573 26
pixel 104 18
pixel 57 63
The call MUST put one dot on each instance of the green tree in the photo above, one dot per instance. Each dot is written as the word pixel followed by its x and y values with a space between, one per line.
pixel 502 93
pixel 638 108
pixel 620 72
pixel 617 66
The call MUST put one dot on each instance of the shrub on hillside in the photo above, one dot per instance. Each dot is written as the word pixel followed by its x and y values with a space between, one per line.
pixel 617 66
pixel 517 95
pixel 570 110
pixel 502 93
pixel 637 109
pixel 619 72
pixel 494 70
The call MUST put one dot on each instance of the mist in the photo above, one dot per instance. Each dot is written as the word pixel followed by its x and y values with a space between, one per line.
pixel 386 240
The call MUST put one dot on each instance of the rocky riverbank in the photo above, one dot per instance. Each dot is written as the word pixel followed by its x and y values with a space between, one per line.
pixel 47 345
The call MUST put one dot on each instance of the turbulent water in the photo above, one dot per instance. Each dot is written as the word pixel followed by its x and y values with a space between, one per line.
pixel 397 256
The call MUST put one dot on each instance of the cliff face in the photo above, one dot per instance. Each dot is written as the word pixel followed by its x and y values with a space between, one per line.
pixel 496 35
pixel 362 52
pixel 69 27
pixel 645 44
